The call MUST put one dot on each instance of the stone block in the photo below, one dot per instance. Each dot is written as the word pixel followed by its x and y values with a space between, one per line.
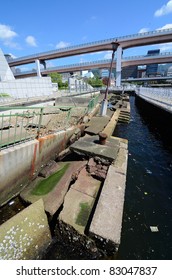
pixel 26 235
pixel 107 220
pixel 76 210
pixel 54 197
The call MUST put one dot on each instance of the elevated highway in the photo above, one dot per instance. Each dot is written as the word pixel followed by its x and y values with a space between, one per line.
pixel 129 41
pixel 165 57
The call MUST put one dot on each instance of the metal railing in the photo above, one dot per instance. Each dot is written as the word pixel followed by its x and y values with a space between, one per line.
pixel 100 42
pixel 20 124
pixel 92 103
pixel 97 63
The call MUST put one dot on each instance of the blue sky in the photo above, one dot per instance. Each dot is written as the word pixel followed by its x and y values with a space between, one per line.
pixel 33 26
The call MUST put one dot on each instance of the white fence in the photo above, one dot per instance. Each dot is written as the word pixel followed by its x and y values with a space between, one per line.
pixel 160 97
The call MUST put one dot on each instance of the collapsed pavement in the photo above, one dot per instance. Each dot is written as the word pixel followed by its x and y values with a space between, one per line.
pixel 87 201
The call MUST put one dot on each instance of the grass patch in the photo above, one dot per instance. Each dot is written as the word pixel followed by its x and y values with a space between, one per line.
pixel 4 95
pixel 47 185
pixel 83 215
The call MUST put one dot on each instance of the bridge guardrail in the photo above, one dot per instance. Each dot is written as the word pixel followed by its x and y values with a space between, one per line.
pixel 116 39
pixel 21 124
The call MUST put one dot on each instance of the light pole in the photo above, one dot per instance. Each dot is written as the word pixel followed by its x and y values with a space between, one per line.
pixel 105 100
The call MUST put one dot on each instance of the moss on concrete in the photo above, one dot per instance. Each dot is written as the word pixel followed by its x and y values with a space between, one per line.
pixel 84 213
pixel 45 186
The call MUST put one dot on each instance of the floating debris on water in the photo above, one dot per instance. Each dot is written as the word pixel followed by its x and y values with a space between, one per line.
pixel 11 202
pixel 154 228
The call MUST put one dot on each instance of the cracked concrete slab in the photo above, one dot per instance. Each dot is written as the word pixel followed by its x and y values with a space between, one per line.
pixel 107 220
pixel 55 196
pixel 89 146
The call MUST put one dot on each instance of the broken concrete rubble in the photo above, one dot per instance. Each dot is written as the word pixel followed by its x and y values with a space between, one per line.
pixel 87 202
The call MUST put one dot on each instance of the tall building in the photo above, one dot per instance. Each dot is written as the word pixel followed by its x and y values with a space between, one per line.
pixel 152 69
pixel 129 72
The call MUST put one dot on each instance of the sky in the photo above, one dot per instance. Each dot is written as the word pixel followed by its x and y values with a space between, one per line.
pixel 28 27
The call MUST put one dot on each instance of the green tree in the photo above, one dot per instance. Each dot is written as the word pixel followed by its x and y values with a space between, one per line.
pixel 57 78
pixel 95 82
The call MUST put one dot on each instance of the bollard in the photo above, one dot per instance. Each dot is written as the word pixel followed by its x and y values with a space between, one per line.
pixel 102 138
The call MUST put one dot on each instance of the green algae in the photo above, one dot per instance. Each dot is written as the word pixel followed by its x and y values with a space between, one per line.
pixel 84 213
pixel 48 184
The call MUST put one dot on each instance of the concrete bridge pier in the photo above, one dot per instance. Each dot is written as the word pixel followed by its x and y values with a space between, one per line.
pixel 43 63
pixel 118 66
pixel 38 69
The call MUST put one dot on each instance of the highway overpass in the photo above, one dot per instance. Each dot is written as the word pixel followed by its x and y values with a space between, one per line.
pixel 129 41
pixel 165 57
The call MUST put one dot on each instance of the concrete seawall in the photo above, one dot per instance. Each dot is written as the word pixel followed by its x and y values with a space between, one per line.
pixel 21 163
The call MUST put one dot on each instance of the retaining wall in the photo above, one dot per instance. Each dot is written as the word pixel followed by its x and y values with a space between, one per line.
pixel 21 163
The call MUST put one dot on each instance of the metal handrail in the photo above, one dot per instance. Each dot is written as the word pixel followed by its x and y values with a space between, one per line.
pixel 15 126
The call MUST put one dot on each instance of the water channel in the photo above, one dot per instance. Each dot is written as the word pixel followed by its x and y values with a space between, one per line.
pixel 147 220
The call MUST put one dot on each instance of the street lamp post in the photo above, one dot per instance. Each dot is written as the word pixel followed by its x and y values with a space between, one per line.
pixel 105 100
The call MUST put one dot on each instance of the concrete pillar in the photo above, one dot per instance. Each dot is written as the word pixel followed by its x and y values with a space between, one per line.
pixel 76 86
pixel 80 86
pixel 38 69
pixel 43 63
pixel 69 84
pixel 83 85
pixel 118 66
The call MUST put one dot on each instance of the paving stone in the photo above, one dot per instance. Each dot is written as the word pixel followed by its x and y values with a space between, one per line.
pixel 89 146
pixel 44 122
pixel 86 184
pixel 120 163
pixel 107 220
pixel 97 124
pixel 76 209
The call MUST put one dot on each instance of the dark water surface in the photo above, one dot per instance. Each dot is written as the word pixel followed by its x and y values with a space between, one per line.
pixel 148 198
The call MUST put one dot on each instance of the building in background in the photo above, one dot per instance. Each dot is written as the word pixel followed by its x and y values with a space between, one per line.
pixel 152 69
pixel 129 72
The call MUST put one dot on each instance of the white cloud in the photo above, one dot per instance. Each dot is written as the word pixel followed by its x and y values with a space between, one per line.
pixel 62 44
pixel 12 55
pixel 167 26
pixel 108 55
pixel 9 43
pixel 31 41
pixel 164 10
pixel 143 30
pixel 165 47
pixel 6 33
